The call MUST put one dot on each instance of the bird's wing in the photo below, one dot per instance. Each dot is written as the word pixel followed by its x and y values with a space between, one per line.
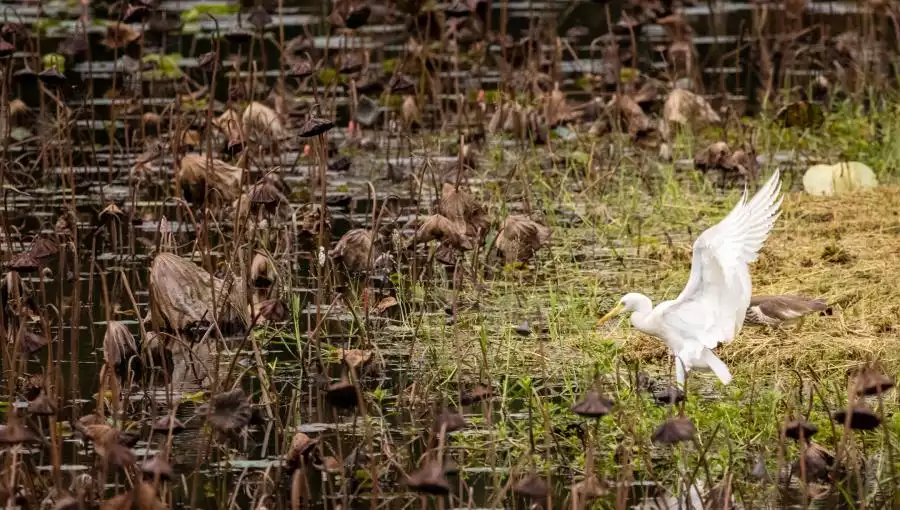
pixel 712 306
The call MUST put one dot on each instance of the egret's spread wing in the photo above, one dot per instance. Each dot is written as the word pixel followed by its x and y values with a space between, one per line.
pixel 711 307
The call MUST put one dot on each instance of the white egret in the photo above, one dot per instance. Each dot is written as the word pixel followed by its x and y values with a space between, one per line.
pixel 711 308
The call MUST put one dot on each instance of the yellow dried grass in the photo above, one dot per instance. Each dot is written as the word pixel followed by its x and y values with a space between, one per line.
pixel 845 250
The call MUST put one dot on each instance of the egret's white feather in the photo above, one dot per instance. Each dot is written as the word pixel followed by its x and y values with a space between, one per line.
pixel 711 308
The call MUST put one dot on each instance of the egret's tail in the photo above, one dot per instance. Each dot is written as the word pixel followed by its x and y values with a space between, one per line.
pixel 717 366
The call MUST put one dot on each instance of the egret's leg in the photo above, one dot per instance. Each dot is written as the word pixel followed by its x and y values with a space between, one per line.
pixel 680 373
pixel 799 325
pixel 717 366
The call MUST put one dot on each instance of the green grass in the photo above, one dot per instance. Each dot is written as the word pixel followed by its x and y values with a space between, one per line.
pixel 635 217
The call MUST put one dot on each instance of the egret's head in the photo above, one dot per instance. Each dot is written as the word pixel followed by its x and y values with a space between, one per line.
pixel 630 302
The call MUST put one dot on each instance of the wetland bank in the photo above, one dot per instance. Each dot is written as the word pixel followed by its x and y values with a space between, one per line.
pixel 282 255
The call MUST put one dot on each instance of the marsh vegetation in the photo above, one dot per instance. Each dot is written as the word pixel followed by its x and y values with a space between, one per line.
pixel 289 255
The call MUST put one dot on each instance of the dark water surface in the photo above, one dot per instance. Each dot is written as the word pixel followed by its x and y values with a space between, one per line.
pixel 89 167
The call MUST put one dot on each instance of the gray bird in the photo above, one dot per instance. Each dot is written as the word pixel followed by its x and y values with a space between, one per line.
pixel 781 310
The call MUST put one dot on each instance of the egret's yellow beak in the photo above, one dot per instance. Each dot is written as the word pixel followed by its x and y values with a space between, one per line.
pixel 612 313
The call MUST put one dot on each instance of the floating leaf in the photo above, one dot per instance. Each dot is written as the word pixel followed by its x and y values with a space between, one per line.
pixel 839 178
pixel 52 60
pixel 199 11
pixel 192 397
pixel 166 66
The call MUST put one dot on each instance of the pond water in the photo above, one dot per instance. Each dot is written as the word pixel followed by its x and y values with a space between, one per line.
pixel 78 156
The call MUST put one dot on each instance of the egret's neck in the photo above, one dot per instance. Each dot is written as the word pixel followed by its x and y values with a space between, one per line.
pixel 640 314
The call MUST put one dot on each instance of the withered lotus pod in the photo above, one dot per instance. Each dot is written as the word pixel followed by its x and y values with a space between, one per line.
pixel 301 447
pixel 593 405
pixel 30 343
pixel 532 485
pixel 264 196
pixel 165 423
pixel 670 395
pixel 136 14
pixel 301 69
pixel 401 84
pixel 438 228
pixel 370 83
pixel 341 164
pixel 52 77
pixel 15 29
pixel 156 468
pixel 25 75
pixel 24 263
pixel 315 126
pixel 800 430
pixel 817 463
pixel 860 418
pixel 342 394
pixel 477 394
pixel 429 479
pixel 238 36
pixel 357 16
pixel 355 250
pixel 180 296
pixel 675 430
pixel 44 248
pixel 259 18
pixel 227 412
pixel 43 405
pixel 351 63
pixel 17 433
pixel 273 310
pixel 113 211
pixel 6 49
pixel 118 344
pixel 520 237
pixel 871 381
pixel 450 421
pixel 197 172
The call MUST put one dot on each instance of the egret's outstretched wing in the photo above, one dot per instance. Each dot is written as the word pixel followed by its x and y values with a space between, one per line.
pixel 711 307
